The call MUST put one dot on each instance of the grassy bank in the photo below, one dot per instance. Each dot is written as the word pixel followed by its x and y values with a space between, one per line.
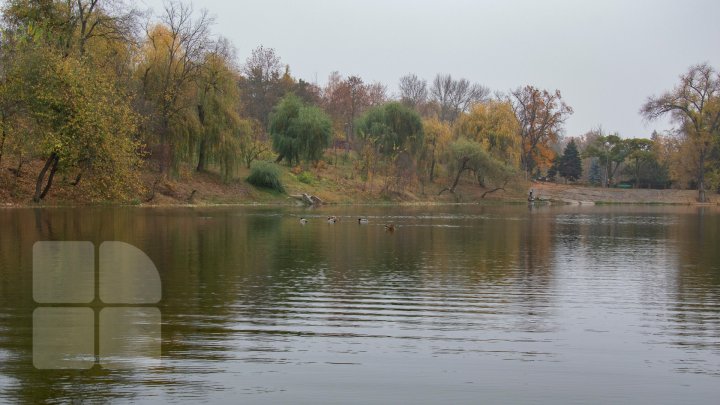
pixel 335 181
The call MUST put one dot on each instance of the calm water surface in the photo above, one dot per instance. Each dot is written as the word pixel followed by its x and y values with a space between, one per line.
pixel 461 304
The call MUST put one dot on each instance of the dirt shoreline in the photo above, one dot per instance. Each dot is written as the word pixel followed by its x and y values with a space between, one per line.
pixel 582 195
pixel 551 193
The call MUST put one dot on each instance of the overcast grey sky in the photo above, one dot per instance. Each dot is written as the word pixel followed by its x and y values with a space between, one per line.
pixel 605 56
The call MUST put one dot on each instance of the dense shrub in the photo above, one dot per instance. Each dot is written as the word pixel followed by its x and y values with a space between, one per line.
pixel 266 175
pixel 306 177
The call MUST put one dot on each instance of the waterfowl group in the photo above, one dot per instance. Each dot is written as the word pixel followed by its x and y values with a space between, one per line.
pixel 361 221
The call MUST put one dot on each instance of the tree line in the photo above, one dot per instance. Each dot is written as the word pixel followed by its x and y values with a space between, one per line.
pixel 102 91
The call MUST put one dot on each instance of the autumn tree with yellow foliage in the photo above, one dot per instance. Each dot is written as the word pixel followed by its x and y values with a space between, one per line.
pixel 493 125
pixel 694 105
pixel 541 115
pixel 75 114
pixel 487 144
pixel 438 135
pixel 170 64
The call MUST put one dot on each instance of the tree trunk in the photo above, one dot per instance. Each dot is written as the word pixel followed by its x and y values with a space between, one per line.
pixel 50 178
pixel 432 169
pixel 701 180
pixel 18 171
pixel 202 156
pixel 460 172
pixel 494 190
pixel 202 152
pixel 2 143
pixel 39 191
pixel 457 177
pixel 77 179
pixel 165 147
pixel 432 163
pixel 607 174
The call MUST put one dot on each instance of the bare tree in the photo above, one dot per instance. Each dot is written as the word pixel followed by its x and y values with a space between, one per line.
pixel 346 99
pixel 263 63
pixel 695 105
pixel 413 90
pixel 261 87
pixel 456 96
pixel 376 94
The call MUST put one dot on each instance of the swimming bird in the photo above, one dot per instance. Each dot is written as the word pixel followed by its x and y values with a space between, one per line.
pixel 363 221
pixel 333 219
pixel 390 227
pixel 303 221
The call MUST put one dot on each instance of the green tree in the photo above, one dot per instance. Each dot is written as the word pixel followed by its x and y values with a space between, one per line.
pixel 299 132
pixel 656 174
pixel 595 175
pixel 392 127
pixel 570 165
pixel 611 151
pixel 640 153
pixel 553 169
pixel 471 156
pixel 316 129
pixel 217 102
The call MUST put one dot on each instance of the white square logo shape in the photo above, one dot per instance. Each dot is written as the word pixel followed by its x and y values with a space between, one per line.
pixel 65 282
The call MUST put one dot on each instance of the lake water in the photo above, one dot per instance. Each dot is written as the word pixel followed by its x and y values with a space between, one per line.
pixel 460 304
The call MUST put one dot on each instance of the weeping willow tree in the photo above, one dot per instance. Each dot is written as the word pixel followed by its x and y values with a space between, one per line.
pixel 299 132
pixel 220 131
pixel 493 124
pixel 394 131
pixel 393 127
pixel 171 63
pixel 488 145
pixel 472 156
